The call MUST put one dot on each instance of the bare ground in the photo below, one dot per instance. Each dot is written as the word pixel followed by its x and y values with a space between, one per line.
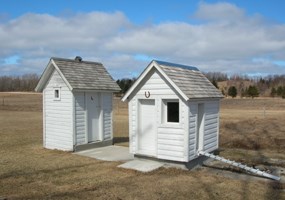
pixel 27 171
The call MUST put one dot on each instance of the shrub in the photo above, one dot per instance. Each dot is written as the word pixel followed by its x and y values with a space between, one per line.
pixel 252 91
pixel 232 91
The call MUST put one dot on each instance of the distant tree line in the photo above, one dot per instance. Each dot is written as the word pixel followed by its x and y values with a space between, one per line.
pixel 216 76
pixel 28 82
pixel 125 84
pixel 245 86
pixel 234 85
pixel 25 82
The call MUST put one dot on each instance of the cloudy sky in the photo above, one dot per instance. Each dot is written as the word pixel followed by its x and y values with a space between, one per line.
pixel 235 37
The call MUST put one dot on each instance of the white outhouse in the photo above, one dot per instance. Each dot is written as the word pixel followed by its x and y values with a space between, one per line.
pixel 77 104
pixel 173 112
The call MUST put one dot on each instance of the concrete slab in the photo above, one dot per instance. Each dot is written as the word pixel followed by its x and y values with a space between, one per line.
pixel 142 165
pixel 108 153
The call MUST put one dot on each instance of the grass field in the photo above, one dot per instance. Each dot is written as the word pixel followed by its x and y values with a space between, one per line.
pixel 251 131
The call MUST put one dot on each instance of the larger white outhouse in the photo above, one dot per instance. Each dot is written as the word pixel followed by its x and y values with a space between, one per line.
pixel 77 104
pixel 173 112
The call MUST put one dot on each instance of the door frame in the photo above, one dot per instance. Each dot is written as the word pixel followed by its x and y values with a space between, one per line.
pixel 138 151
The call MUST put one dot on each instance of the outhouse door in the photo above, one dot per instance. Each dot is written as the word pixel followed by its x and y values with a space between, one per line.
pixel 147 127
pixel 93 115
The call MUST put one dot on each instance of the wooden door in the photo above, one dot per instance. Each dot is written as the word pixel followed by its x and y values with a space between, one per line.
pixel 147 127
pixel 93 115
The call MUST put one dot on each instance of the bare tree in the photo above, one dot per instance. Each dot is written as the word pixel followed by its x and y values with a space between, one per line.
pixel 25 82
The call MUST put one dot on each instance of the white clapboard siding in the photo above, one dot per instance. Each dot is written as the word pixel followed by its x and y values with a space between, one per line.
pixel 80 118
pixel 155 85
pixel 193 109
pixel 58 115
pixel 211 126
pixel 171 143
pixel 171 155
pixel 107 99
pixel 132 126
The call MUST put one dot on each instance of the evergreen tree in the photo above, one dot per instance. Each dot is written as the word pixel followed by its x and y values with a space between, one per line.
pixel 273 92
pixel 280 90
pixel 125 84
pixel 214 82
pixel 232 91
pixel 252 91
pixel 283 92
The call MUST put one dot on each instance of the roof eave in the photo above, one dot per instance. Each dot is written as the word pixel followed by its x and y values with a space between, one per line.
pixel 94 90
pixel 205 98
pixel 152 64
pixel 137 82
pixel 44 77
pixel 61 74
pixel 183 95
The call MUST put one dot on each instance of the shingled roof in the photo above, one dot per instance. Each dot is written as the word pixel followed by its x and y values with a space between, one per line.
pixel 79 75
pixel 187 80
pixel 190 80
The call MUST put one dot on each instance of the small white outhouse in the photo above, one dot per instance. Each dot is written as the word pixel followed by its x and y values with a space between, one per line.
pixel 173 112
pixel 77 104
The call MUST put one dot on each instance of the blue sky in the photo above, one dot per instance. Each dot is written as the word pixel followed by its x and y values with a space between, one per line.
pixel 236 37
pixel 139 11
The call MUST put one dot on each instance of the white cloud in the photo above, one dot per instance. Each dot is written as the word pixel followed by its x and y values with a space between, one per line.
pixel 46 31
pixel 219 11
pixel 227 40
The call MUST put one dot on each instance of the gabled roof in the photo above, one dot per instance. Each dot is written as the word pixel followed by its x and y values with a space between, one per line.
pixel 188 81
pixel 79 75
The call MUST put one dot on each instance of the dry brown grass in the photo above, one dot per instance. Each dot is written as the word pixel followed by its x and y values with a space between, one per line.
pixel 27 171
pixel 121 120
pixel 252 131
pixel 253 124
pixel 20 101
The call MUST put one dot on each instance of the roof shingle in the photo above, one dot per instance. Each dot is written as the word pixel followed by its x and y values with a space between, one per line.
pixel 86 75
pixel 190 80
